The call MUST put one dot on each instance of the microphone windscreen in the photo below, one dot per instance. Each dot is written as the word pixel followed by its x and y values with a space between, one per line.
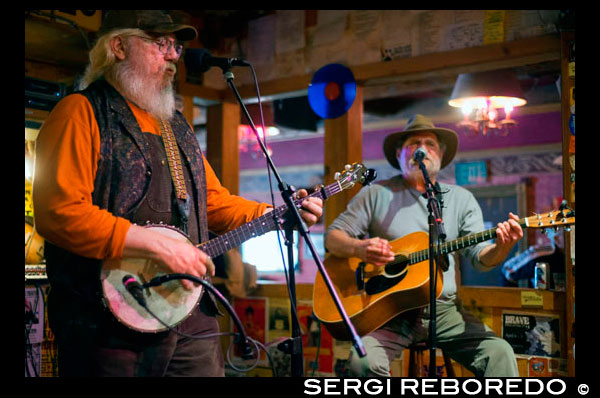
pixel 195 59
pixel 419 154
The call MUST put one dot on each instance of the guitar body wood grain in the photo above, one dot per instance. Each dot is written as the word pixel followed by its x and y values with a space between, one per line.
pixel 369 312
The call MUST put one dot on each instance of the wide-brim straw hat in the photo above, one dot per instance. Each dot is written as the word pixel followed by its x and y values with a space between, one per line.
pixel 417 123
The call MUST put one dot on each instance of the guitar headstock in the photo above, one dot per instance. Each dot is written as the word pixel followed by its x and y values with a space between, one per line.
pixel 553 219
pixel 356 172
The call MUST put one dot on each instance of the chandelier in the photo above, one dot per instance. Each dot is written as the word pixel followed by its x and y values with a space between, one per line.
pixel 483 97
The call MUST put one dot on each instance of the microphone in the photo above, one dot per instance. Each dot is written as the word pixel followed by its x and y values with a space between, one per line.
pixel 135 289
pixel 419 154
pixel 200 60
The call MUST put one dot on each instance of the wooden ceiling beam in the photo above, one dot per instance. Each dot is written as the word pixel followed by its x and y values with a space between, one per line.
pixel 450 63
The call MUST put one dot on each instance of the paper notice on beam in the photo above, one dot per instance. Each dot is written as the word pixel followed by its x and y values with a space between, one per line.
pixel 463 35
pixel 399 34
pixel 364 23
pixel 330 28
pixel 446 30
pixel 463 16
pixel 464 30
pixel 261 40
pixel 431 25
pixel 521 24
pixel 289 31
pixel 493 28
pixel 317 57
pixel 365 28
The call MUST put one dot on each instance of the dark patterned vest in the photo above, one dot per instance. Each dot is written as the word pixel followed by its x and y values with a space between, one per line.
pixel 128 184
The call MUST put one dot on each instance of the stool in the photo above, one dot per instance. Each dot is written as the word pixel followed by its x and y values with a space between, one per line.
pixel 415 364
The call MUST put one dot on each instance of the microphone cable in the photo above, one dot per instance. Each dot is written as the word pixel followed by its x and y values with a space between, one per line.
pixel 278 230
pixel 243 338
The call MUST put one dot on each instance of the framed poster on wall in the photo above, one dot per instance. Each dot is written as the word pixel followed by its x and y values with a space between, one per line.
pixel 532 334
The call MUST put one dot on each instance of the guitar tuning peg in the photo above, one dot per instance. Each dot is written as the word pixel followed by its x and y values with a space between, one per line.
pixel 545 231
pixel 563 205
pixel 347 167
pixel 337 176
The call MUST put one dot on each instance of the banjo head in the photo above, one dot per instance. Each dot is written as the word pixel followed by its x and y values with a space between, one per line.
pixel 170 302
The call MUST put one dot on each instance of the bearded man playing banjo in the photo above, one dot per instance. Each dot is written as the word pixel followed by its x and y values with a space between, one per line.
pixel 111 158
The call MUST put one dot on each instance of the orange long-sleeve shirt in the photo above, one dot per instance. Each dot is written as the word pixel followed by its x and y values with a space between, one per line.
pixel 67 152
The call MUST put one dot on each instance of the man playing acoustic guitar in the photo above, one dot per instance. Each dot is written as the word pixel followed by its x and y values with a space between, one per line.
pixel 391 209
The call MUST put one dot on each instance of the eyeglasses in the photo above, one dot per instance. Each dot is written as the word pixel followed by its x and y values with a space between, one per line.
pixel 164 45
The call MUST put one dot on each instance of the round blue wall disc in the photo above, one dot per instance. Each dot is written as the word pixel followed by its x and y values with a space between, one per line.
pixel 332 91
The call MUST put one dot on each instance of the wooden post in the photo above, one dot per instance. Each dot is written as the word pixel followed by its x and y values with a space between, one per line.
pixel 188 109
pixel 343 145
pixel 222 150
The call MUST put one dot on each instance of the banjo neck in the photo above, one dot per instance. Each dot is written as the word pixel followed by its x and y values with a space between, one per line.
pixel 261 225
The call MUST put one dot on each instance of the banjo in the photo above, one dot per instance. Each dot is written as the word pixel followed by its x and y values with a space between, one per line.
pixel 171 302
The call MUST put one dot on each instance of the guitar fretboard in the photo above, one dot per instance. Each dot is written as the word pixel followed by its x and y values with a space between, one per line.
pixel 460 243
pixel 259 226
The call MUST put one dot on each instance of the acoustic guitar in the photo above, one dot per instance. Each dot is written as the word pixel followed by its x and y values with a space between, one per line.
pixel 171 302
pixel 373 295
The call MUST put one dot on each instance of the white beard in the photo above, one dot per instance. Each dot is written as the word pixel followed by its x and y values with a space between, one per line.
pixel 156 97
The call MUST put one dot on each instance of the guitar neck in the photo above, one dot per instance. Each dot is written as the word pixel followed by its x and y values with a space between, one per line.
pixel 460 243
pixel 259 226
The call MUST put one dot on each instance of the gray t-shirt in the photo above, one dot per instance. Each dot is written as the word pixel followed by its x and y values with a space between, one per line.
pixel 390 209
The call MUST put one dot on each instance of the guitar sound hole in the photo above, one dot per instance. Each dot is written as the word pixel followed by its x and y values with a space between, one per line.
pixel 396 267
pixel 380 283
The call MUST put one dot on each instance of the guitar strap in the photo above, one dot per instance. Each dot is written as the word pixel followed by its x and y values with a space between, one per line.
pixel 176 168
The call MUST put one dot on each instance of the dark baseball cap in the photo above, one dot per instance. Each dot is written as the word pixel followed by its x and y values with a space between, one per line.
pixel 151 21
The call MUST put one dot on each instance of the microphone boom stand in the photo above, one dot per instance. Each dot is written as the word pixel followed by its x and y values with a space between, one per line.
pixel 286 194
pixel 436 232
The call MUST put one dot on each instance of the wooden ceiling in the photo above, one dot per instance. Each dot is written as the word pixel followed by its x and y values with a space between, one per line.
pixel 57 51
pixel 54 50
